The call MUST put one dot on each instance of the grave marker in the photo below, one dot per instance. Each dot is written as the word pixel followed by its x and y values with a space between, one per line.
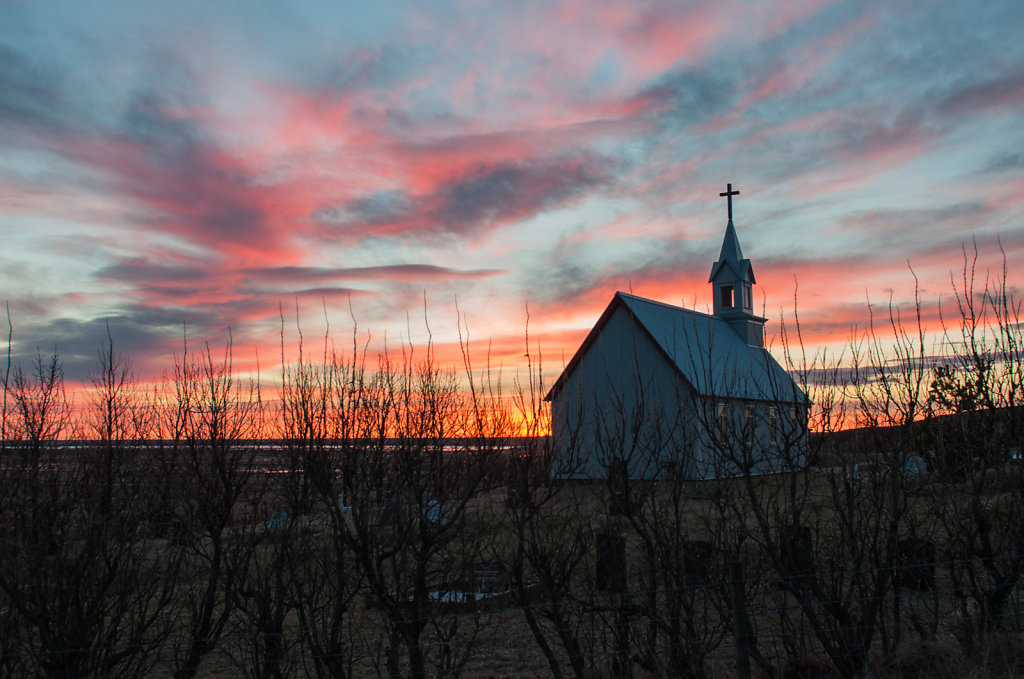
pixel 611 563
pixel 914 565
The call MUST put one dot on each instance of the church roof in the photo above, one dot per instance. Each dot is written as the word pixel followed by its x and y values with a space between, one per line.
pixel 731 244
pixel 706 353
pixel 732 257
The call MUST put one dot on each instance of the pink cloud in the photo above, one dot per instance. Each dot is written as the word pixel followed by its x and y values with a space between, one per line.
pixel 199 193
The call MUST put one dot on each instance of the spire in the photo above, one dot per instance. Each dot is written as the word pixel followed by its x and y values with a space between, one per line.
pixel 732 280
pixel 731 259
pixel 731 245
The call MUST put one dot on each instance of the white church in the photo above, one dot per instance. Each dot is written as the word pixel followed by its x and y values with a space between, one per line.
pixel 659 391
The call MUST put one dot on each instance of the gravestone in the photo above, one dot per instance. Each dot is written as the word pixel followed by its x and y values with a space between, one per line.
pixel 795 547
pixel 513 500
pixel 161 523
pixel 177 533
pixel 611 563
pixel 277 521
pixel 914 565
pixel 915 467
pixel 697 561
pixel 434 512
pixel 390 515
pixel 489 577
pixel 713 493
pixel 855 479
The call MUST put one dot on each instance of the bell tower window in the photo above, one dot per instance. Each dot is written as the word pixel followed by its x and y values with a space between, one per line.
pixel 727 297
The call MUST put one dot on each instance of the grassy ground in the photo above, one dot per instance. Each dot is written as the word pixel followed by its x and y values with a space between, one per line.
pixel 930 624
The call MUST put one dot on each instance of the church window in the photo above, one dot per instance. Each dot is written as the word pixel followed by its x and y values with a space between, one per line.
pixel 797 416
pixel 727 300
pixel 748 303
pixel 773 425
pixel 748 428
pixel 723 423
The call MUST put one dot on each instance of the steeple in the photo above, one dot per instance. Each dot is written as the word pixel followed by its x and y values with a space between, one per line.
pixel 731 244
pixel 732 281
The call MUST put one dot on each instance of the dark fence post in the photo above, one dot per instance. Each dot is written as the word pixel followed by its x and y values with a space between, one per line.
pixel 740 623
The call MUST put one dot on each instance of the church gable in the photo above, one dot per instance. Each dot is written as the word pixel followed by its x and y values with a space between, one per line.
pixel 618 333
pixel 621 398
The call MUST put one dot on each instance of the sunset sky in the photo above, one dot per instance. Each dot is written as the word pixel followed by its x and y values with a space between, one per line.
pixel 186 168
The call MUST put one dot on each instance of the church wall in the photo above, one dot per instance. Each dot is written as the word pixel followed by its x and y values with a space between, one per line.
pixel 750 437
pixel 625 401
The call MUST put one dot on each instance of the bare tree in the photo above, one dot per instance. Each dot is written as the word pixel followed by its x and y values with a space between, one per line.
pixel 975 434
pixel 7 380
pixel 412 475
pixel 264 644
pixel 551 556
pixel 214 420
pixel 80 575
pixel 320 415
pixel 826 535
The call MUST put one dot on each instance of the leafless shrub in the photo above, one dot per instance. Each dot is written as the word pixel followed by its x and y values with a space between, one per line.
pixel 212 420
pixel 79 577
pixel 975 430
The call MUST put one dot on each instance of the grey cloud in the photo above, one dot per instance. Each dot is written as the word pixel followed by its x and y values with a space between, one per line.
pixel 189 187
pixel 137 333
pixel 368 68
pixel 330 292
pixel 138 270
pixel 514 190
pixel 382 207
pixel 1005 162
pixel 1006 91
pixel 690 95
pixel 481 200
pixel 29 93
pixel 949 221
pixel 568 273
pixel 300 275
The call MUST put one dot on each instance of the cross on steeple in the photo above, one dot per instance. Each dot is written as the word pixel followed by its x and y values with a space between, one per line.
pixel 729 193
